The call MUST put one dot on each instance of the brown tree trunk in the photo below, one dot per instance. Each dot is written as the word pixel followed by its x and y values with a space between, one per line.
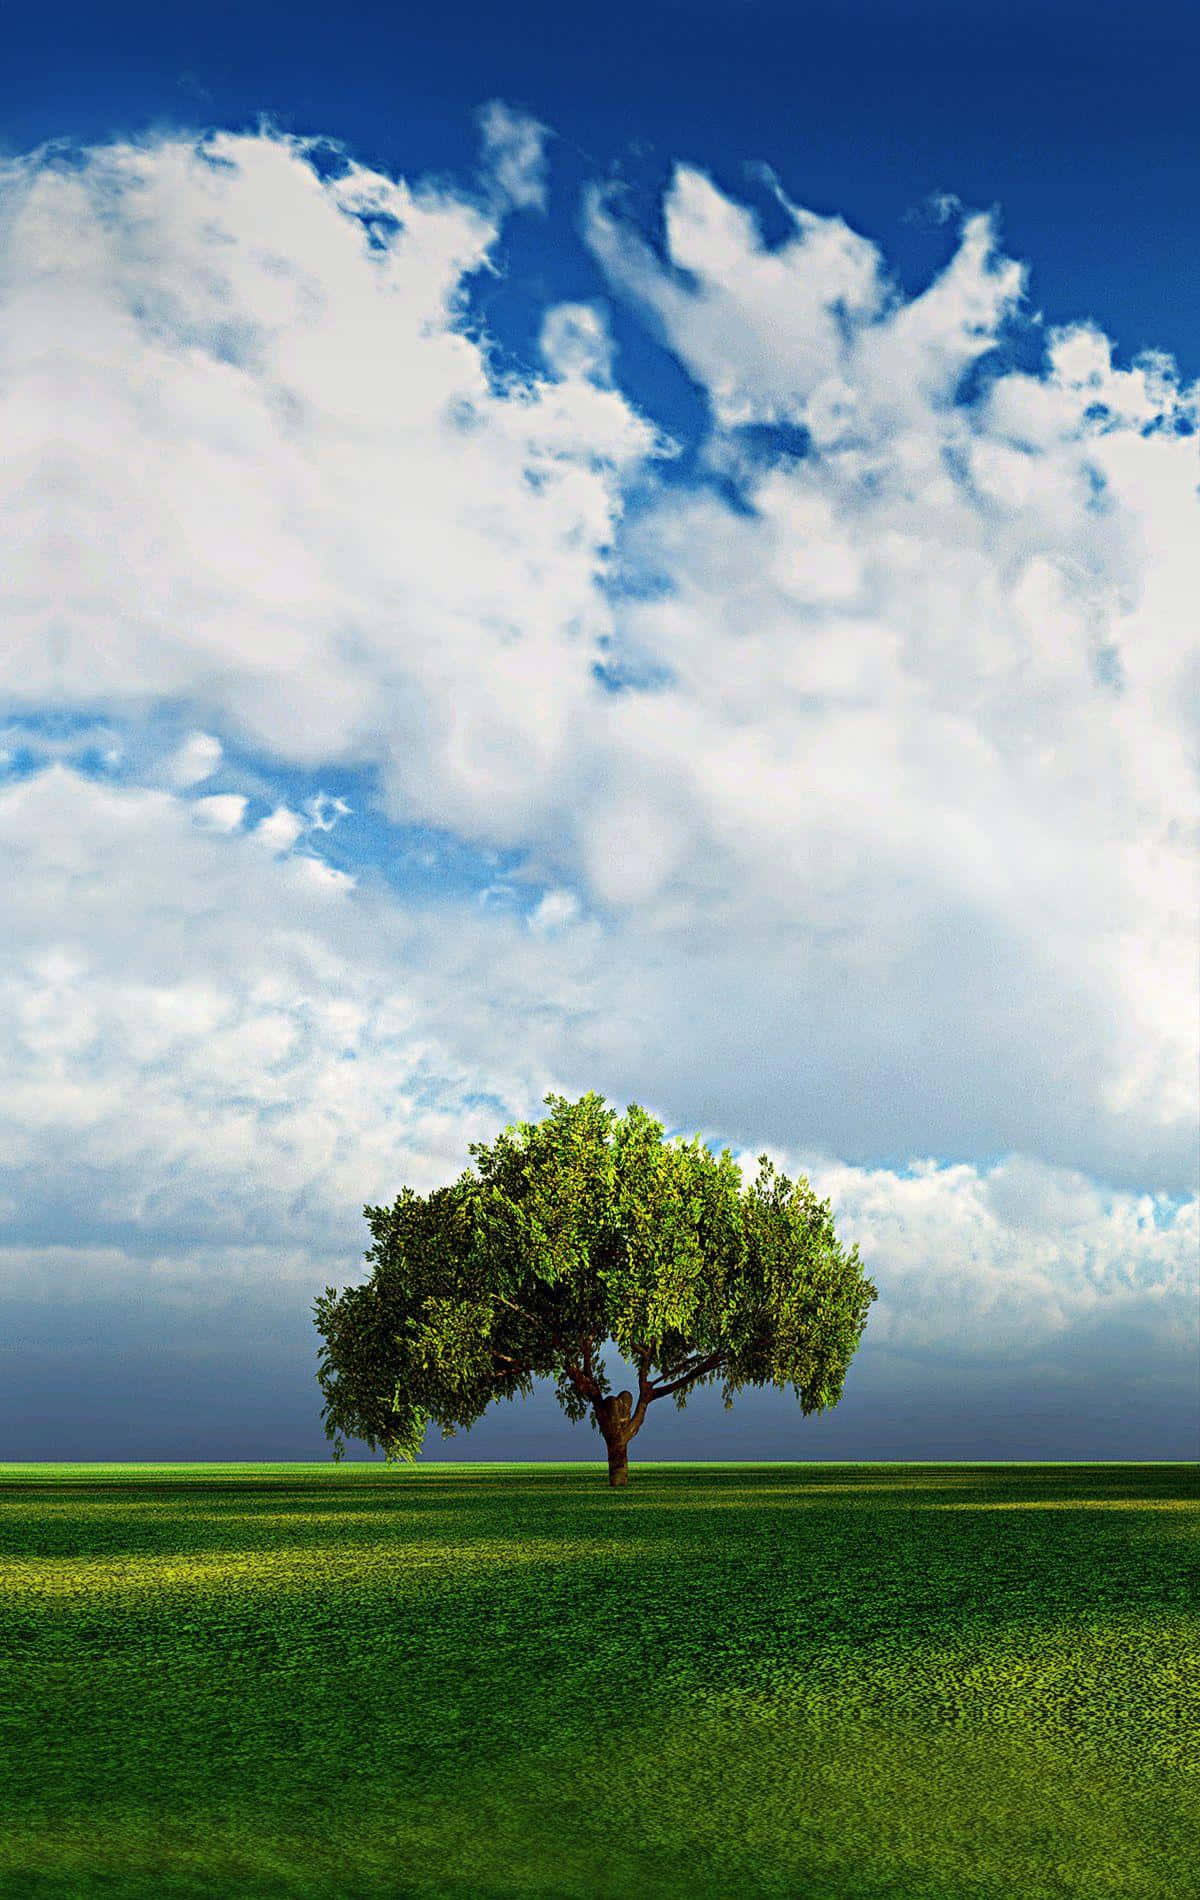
pixel 618 1462
pixel 612 1416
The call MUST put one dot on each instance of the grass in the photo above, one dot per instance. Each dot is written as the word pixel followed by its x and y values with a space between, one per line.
pixel 456 1682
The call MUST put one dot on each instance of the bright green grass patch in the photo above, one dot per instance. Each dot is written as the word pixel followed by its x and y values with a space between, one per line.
pixel 470 1682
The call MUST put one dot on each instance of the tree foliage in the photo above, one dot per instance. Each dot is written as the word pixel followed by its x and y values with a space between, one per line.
pixel 584 1227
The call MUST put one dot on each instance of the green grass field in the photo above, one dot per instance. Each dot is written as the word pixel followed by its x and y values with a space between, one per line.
pixel 841 1682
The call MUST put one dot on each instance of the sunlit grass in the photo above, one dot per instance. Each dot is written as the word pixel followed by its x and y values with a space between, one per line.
pixel 343 1683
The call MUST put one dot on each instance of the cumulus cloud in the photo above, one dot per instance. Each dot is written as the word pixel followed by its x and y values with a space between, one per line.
pixel 223 811
pixel 931 718
pixel 556 909
pixel 280 829
pixel 264 396
pixel 847 789
pixel 575 341
pixel 810 331
pixel 1015 1259
pixel 211 1043
pixel 197 759
pixel 214 1058
pixel 514 155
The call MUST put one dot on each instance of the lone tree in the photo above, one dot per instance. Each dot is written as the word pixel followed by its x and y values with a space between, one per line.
pixel 580 1228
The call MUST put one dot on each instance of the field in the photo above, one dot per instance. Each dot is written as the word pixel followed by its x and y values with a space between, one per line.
pixel 471 1682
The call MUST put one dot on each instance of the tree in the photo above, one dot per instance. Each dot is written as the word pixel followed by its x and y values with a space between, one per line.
pixel 580 1228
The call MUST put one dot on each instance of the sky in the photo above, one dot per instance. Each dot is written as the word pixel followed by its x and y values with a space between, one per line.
pixel 651 550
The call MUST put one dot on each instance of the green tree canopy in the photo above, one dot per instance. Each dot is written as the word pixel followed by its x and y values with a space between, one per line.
pixel 585 1227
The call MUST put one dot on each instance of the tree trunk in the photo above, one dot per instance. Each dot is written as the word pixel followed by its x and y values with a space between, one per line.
pixel 612 1416
pixel 618 1461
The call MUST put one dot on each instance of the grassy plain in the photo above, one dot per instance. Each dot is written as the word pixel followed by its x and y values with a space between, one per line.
pixel 485 1682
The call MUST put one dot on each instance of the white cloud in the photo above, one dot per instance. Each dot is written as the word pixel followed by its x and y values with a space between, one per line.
pixel 324 811
pixel 555 910
pixel 811 331
pixel 895 855
pixel 207 1042
pixel 197 759
pixel 341 538
pixel 514 155
pixel 224 811
pixel 215 1034
pixel 575 342
pixel 211 1063
pixel 930 736
pixel 280 829
pixel 1015 1259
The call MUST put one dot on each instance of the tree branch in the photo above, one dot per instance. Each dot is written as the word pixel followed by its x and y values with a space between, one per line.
pixel 516 1309
pixel 579 1379
pixel 695 1371
pixel 645 1388
pixel 582 1377
pixel 689 1364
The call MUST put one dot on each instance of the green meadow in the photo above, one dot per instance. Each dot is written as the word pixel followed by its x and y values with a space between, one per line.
pixel 841 1682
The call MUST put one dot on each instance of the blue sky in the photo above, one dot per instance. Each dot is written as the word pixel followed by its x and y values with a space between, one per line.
pixel 649 550
pixel 1075 119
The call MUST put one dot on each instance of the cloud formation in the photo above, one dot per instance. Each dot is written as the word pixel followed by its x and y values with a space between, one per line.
pixel 216 1055
pixel 932 716
pixel 209 1040
pixel 845 789
pixel 514 155
pixel 258 468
